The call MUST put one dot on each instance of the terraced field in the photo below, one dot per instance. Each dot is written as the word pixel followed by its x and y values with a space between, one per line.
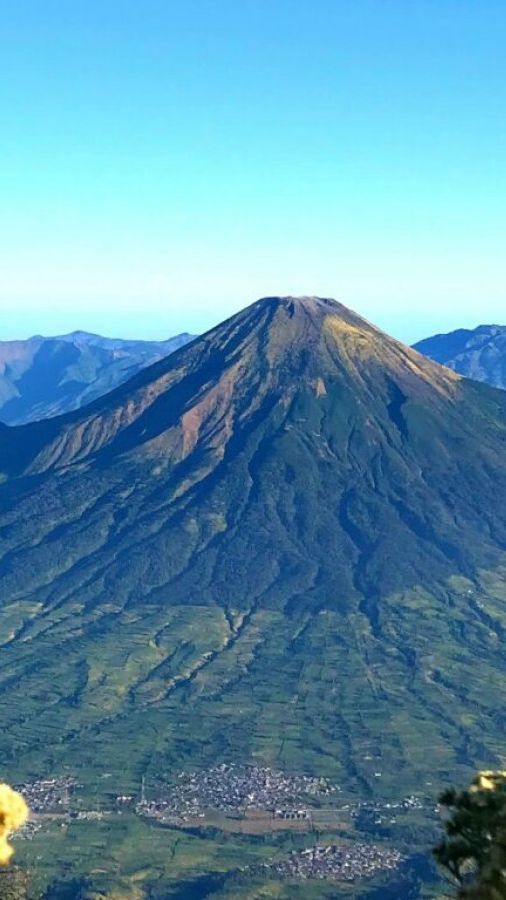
pixel 285 544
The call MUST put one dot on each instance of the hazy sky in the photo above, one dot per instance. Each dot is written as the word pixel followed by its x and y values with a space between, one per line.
pixel 165 162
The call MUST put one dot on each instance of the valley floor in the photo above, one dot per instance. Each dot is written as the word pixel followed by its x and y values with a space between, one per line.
pixel 171 846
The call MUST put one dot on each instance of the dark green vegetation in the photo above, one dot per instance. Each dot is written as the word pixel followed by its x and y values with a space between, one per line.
pixel 474 848
pixel 479 353
pixel 285 543
pixel 43 377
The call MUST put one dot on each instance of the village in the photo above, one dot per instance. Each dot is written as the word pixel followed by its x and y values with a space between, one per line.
pixel 273 799
pixel 312 802
pixel 48 795
pixel 229 788
pixel 341 863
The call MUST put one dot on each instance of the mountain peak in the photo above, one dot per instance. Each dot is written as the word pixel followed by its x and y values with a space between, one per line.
pixel 317 308
pixel 306 302
pixel 277 355
pixel 315 337
pixel 289 533
pixel 298 329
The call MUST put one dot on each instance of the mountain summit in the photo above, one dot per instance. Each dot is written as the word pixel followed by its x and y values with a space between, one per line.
pixel 283 542
pixel 269 355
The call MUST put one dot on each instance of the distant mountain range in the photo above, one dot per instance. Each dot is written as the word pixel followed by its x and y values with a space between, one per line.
pixel 479 353
pixel 285 543
pixel 47 376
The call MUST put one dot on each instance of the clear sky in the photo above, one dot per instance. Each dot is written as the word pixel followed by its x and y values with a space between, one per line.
pixel 165 162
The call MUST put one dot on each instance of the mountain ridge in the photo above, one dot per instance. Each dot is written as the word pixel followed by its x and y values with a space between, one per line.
pixel 42 377
pixel 478 353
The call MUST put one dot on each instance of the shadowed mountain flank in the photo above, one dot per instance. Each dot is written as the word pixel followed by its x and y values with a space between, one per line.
pixel 43 377
pixel 285 541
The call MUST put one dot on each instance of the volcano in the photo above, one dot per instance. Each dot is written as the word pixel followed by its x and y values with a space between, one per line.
pixel 285 542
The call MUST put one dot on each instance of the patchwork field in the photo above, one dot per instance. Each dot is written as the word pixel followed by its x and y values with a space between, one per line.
pixel 282 546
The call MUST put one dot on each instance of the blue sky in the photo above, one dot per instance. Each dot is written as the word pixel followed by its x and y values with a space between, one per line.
pixel 165 163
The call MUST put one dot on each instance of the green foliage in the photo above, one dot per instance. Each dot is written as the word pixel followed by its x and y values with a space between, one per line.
pixel 14 884
pixel 474 850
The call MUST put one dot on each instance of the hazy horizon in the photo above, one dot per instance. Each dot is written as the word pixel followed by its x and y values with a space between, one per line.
pixel 163 167
pixel 112 325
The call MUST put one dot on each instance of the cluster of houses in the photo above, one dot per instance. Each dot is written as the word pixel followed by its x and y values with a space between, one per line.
pixel 349 862
pixel 230 787
pixel 48 794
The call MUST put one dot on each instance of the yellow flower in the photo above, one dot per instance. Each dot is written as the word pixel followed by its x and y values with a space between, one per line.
pixel 489 781
pixel 485 783
pixel 13 814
